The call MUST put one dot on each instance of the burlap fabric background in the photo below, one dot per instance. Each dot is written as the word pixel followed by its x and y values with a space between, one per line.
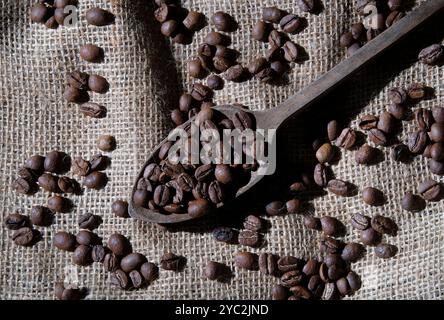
pixel 146 76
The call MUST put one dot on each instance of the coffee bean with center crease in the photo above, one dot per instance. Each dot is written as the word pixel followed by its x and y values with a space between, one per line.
pixel 64 241
pixel 268 264
pixel 346 139
pixel 95 180
pixel 330 245
pixel 401 153
pixel 111 262
pixel 340 188
pixel 368 122
pixel 193 21
pixel 359 221
pixel 16 221
pixel 386 251
pixel 149 271
pixel 257 65
pixel 249 238
pixel 49 182
pixel 217 192
pixel 413 203
pixel 372 196
pixel 366 155
pixel 432 54
pixel 223 21
pixel 82 255
pixel 311 267
pixel 293 206
pixel 253 223
pixel 291 51
pixel 289 263
pixel 99 17
pixel 136 279
pixel 91 53
pixel 397 95
pixel 80 167
pixel 59 204
pixel 68 185
pixel 23 186
pixel 430 190
pixel 235 73
pixel 78 80
pixel 204 172
pixel 306 5
pixel 378 137
pixel 424 119
pixel 172 262
pixel 261 31
pixel 312 223
pixel 27 174
pixel 332 227
pixel 272 14
pixel 120 279
pixel 370 237
pixel 93 110
pixel 274 54
pixel 279 292
pixel 352 252
pixel 35 163
pixel 41 216
pixel 277 38
pixel 417 91
pixel 24 236
pixel 290 23
pixel 132 261
pixel 292 278
pixel 384 225
pixel 56 162
pixel 89 221
pixel 200 92
pixel 119 244
pixel 417 141
pixel 225 234
pixel 386 122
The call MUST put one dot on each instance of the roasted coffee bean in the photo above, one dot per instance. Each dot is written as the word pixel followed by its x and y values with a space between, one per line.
pixel 184 37
pixel 336 271
pixel 293 206
pixel 75 95
pixel 172 262
pixel 274 54
pixel 311 267
pixel 333 130
pixel 334 260
pixel 141 198
pixel 82 255
pixel 384 225
pixel 106 143
pixel 249 238
pixel 214 82
pixel 216 38
pixel 393 17
pixel 63 293
pixel 99 17
pixel 111 262
pixel 27 174
pixel 276 38
pixel 225 234
pixel 16 221
pixel 194 21
pixel 279 292
pixel 199 207
pixel 23 186
pixel 279 68
pixel 78 80
pixel 417 91
pixel 431 55
pixel 120 208
pixel 257 65
pixel 401 153
pixel 64 241
pixel 246 260
pixel 399 111
pixel 386 122
pixel 265 75
pixel 216 192
pixel 412 202
pixel 291 23
pixel 366 155
pixel 346 40
pixel 436 151
pixel 93 110
pixel 35 163
pixel 438 114
pixel 60 16
pixel 358 31
pixel 312 223
pixel 370 237
pixel 56 162
pixel 354 281
pixel 291 51
pixel 87 238
pixel 268 264
pixel 49 182
pixel 261 31
pixel 424 119
pixel 272 14
pixel 132 261
pixel 80 167
pixel 59 204
pixel 325 153
pixel 95 180
pixel 41 216
pixel 166 12
pixel 331 245
pixel 346 139
pixel 386 251
pixel 235 73
pixel 289 263
pixel 339 187
pixel 436 167
pixel 68 185
pixel 185 102
pixel 372 196
pixel 417 141
pixel 223 174
pixel 136 279
pixel 215 270
pixel 195 69
pixel 316 285
pixel 352 252
pixel 253 223
pixel 89 221
pixel 292 278
pixel 397 95
pixel 275 208
pixel 378 137
pixel 301 292
pixel 427 151
pixel 91 53
pixel 430 190
pixel 332 227
pixel 149 271
pixel 200 191
pixel 119 244
pixel 40 13
pixel 223 21
pixel 24 236
pixel 306 5
pixel 368 122
pixel 243 120
pixel 201 92
pixel 162 195
pixel 99 162
pixel 437 132
pixel 120 279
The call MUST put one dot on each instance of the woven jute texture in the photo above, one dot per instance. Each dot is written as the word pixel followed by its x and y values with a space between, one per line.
pixel 147 74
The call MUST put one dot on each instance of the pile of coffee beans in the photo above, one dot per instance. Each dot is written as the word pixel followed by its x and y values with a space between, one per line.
pixel 384 13
pixel 51 13
pixel 282 50
pixel 177 22
pixel 195 189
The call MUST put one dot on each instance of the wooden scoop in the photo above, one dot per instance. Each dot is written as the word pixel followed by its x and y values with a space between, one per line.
pixel 274 118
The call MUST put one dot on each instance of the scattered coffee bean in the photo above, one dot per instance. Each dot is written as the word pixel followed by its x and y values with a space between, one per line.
pixel 312 223
pixel 41 216
pixel 93 110
pixel 111 262
pixel 68 185
pixel 306 5
pixel 399 111
pixel 292 278
pixel 372 196
pixel 330 245
pixel 223 21
pixel 246 260
pixel 235 73
pixel 225 234
pixel 132 261
pixel 339 187
pixel 370 237
pixel 119 244
pixel 413 203
pixel 120 208
pixel 384 225
pixel 87 238
pixel 78 80
pixel 436 167
pixel 272 14
pixel 249 238
pixel 431 55
pixel 325 153
pixel 89 221
pixel 401 153
pixel 214 82
pixel 98 84
pixel 424 119
pixel 368 122
pixel 56 162
pixel 23 186
pixel 16 221
pixel 332 227
pixel 120 279
pixel 35 163
pixel 64 241
pixel 253 223
pixel 136 279
pixel 91 53
pixel 268 264
pixel 82 255
pixel 172 262
pixel 201 92
pixel 289 263
pixel 378 137
pixel 199 207
pixel 430 190
pixel 346 139
pixel 293 206
pixel 386 122
pixel 352 252
pixel 366 155
pixel 40 13
pixel 49 182
pixel 279 292
pixel 59 204
pixel 437 132
pixel 438 114
pixel 95 180
pixel 215 270
pixel 291 23
pixel 99 17
pixel 347 40
pixel 106 143
pixel 291 51
pixel 63 293
pixel 149 271
pixel 386 251
pixel 397 95
pixel 321 175
pixel 193 21
pixel 436 151
pixel 24 236
pixel 215 38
